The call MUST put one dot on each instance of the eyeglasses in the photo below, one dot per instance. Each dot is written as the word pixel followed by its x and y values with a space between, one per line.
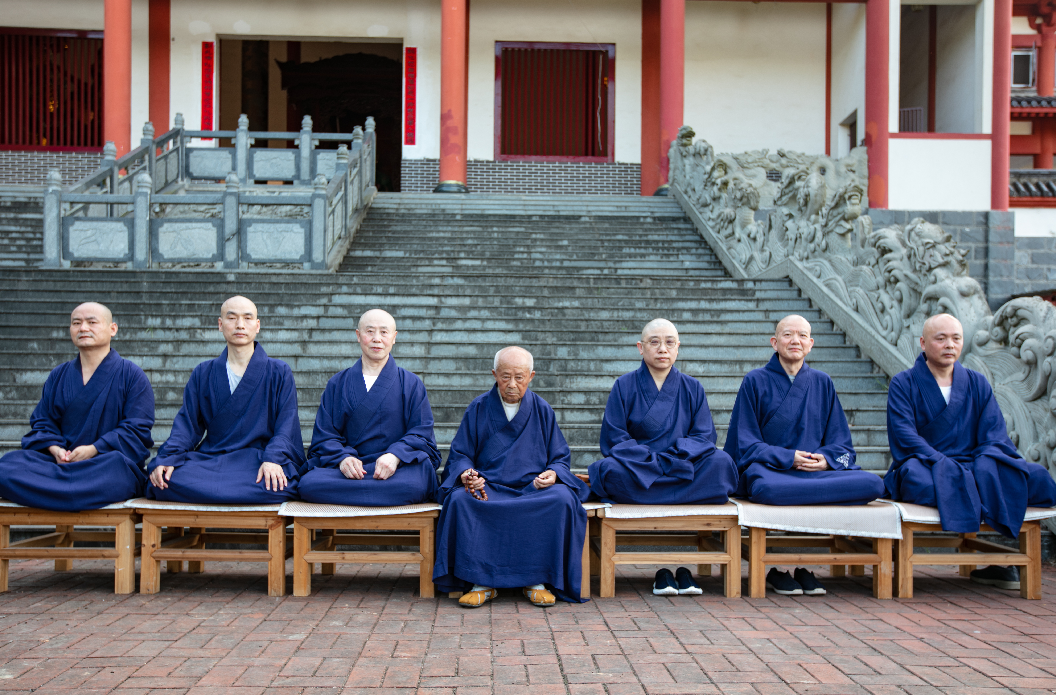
pixel 670 343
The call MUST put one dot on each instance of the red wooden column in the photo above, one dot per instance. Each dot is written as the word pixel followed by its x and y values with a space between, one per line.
pixel 1046 60
pixel 1046 129
pixel 159 41
pixel 454 65
pixel 1000 142
pixel 877 95
pixel 117 73
pixel 651 177
pixel 672 77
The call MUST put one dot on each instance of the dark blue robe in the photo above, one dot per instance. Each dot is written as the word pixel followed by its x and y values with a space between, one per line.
pixel 659 445
pixel 393 417
pixel 520 536
pixel 256 423
pixel 965 447
pixel 773 418
pixel 114 411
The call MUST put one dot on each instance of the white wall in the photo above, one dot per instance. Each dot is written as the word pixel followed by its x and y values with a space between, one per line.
pixel 1035 221
pixel 584 21
pixel 957 87
pixel 848 71
pixel 755 75
pixel 938 174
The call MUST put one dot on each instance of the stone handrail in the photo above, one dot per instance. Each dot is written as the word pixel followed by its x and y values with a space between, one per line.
pixel 787 214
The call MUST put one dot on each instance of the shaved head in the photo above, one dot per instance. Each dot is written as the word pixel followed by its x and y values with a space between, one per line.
pixel 514 356
pixel 239 305
pixel 658 327
pixel 377 318
pixel 795 319
pixel 941 323
pixel 95 309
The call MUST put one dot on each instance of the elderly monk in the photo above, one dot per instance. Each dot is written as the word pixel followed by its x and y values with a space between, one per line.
pixel 950 448
pixel 512 515
pixel 373 443
pixel 91 430
pixel 657 436
pixel 245 405
pixel 788 434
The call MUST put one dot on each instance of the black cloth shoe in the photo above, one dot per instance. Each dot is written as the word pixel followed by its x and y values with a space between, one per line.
pixel 664 584
pixel 995 575
pixel 686 585
pixel 783 583
pixel 809 583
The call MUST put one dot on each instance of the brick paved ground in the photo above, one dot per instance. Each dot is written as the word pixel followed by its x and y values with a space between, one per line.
pixel 364 632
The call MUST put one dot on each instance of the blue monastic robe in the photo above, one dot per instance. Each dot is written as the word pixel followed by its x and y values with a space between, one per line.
pixel 519 536
pixel 958 457
pixel 659 445
pixel 114 411
pixel 257 422
pixel 773 418
pixel 393 417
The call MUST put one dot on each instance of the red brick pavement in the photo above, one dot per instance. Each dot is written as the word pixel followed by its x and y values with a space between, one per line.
pixel 364 632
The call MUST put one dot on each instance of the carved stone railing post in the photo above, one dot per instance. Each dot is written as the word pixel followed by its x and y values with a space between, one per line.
pixel 178 124
pixel 242 148
pixel 317 250
pixel 141 221
pixel 371 140
pixel 305 145
pixel 357 139
pixel 146 141
pixel 109 162
pixel 53 221
pixel 342 171
pixel 231 221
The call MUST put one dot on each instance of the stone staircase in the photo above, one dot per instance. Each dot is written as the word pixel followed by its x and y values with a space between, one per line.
pixel 572 279
pixel 21 227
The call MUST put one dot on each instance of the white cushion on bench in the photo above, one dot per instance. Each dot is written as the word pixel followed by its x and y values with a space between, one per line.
pixel 310 509
pixel 591 506
pixel 659 511
pixel 873 520
pixel 144 503
pixel 115 505
pixel 920 514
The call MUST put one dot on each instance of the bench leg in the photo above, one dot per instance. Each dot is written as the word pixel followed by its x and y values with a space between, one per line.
pixel 1030 575
pixel 149 568
pixel 277 564
pixel 174 566
pixel 905 564
pixel 607 587
pixel 125 563
pixel 197 566
pixel 703 570
pixel 593 526
pixel 427 547
pixel 584 564
pixel 66 542
pixel 302 571
pixel 966 570
pixel 329 568
pixel 731 573
pixel 5 564
pixel 756 567
pixel 882 572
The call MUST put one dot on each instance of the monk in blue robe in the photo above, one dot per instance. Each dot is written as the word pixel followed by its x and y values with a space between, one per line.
pixel 90 432
pixel 788 434
pixel 245 405
pixel 373 443
pixel 658 438
pixel 949 444
pixel 512 514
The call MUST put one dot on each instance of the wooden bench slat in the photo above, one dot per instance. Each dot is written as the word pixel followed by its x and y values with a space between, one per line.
pixel 401 557
pixel 212 555
pixel 64 553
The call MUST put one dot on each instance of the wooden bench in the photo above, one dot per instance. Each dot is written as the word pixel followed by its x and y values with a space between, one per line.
pixel 316 538
pixel 669 525
pixel 855 536
pixel 59 546
pixel 917 518
pixel 188 539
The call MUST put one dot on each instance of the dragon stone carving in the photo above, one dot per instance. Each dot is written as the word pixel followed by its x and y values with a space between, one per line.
pixel 768 207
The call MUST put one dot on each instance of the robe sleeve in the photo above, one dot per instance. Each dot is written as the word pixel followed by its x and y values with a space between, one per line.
pixel 744 440
pixel 188 427
pixel 329 447
pixel 463 450
pixel 836 444
pixel 45 422
pixel 616 441
pixel 132 437
pixel 418 444
pixel 903 438
pixel 992 432
pixel 286 445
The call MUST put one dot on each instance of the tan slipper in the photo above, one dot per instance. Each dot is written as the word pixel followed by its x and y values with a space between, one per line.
pixel 540 597
pixel 476 599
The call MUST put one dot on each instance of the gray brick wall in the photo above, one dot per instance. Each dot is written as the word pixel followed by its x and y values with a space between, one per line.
pixel 29 168
pixel 1035 263
pixel 421 176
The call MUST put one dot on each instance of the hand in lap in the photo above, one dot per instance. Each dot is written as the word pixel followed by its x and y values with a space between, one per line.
pixel 273 475
pixel 160 475
pixel 352 468
pixel 806 461
pixel 474 484
pixel 385 466
pixel 81 453
pixel 545 479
